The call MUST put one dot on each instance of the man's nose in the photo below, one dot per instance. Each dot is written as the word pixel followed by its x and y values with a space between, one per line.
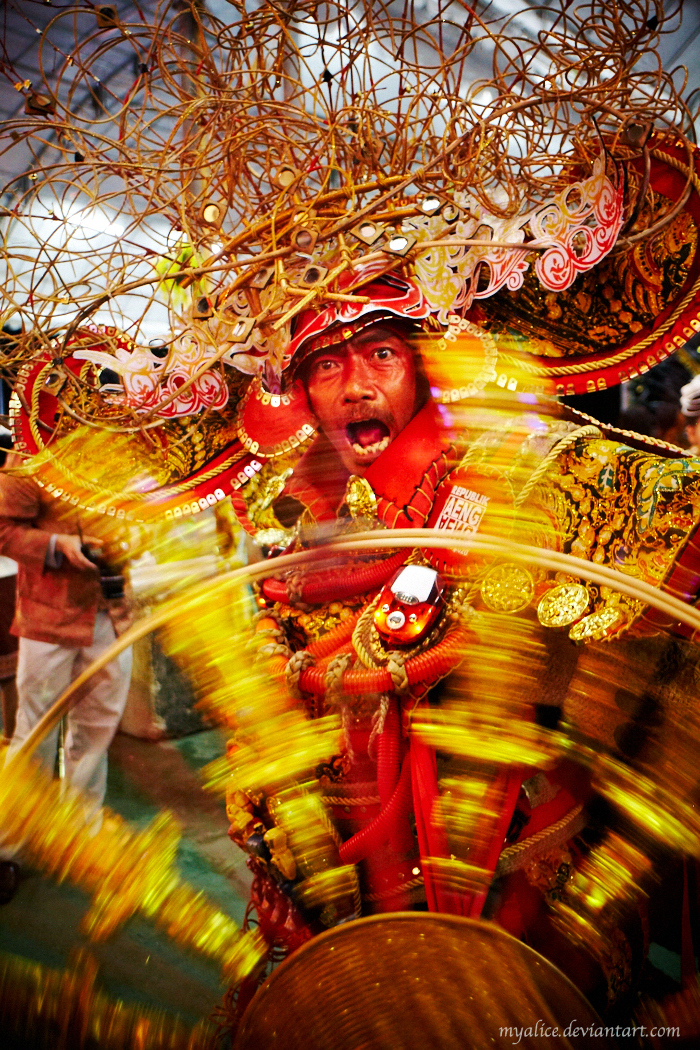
pixel 359 385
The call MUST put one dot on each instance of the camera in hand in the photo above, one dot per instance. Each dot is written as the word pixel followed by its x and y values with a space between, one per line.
pixel 111 582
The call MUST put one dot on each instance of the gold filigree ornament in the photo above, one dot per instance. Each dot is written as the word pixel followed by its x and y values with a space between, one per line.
pixel 508 588
pixel 563 605
pixel 598 625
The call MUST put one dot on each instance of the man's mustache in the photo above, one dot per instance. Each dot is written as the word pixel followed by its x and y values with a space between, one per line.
pixel 359 414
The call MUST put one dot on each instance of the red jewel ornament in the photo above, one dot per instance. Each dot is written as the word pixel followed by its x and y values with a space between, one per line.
pixel 409 604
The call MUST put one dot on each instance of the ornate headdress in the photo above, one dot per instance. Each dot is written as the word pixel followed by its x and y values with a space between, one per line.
pixel 303 170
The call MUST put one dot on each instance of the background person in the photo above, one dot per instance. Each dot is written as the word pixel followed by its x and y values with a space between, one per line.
pixel 64 622
pixel 8 643
pixel 690 407
pixel 8 646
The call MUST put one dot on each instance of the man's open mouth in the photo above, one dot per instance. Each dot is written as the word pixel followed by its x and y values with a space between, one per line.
pixel 368 437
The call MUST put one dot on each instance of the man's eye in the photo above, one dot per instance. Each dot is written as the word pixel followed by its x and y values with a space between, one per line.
pixel 383 353
pixel 324 365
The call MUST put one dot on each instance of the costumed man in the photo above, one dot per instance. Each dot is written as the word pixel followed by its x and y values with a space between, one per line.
pixel 68 607
pixel 373 636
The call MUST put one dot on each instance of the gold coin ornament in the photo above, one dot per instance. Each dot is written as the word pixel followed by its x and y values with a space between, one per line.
pixel 508 588
pixel 563 605
pixel 598 625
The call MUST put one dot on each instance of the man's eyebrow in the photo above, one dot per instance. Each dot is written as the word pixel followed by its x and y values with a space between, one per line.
pixel 326 351
pixel 376 334
pixel 320 355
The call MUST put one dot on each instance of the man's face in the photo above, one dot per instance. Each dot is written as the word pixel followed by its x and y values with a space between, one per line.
pixel 363 393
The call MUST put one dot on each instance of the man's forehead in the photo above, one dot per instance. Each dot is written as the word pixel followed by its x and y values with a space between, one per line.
pixel 379 332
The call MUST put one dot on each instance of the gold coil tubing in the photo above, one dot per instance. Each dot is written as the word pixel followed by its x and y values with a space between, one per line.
pixel 479 726
pixel 129 872
pixel 229 134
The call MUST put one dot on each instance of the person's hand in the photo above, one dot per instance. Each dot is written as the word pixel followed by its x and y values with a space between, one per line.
pixel 69 546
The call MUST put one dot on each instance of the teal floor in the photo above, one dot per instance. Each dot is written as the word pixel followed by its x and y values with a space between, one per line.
pixel 139 964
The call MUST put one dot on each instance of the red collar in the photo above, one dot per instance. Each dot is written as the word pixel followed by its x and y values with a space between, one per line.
pixel 400 475
pixel 401 468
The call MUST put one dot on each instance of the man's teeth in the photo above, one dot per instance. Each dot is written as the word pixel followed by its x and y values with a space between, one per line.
pixel 371 450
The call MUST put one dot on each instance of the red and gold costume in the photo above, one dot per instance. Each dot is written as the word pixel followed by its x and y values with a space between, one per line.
pixel 395 803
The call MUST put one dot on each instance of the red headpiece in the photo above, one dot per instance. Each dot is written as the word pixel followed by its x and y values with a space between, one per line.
pixel 388 296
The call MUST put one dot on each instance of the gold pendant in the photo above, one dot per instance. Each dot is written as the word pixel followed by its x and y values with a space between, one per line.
pixel 360 498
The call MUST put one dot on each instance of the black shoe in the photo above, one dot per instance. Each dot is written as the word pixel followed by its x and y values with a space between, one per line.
pixel 9 880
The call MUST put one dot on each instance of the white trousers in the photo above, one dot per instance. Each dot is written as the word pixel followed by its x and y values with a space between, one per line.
pixel 44 671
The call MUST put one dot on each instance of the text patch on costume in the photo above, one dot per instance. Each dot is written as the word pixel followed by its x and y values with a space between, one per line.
pixel 462 510
pixel 459 508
